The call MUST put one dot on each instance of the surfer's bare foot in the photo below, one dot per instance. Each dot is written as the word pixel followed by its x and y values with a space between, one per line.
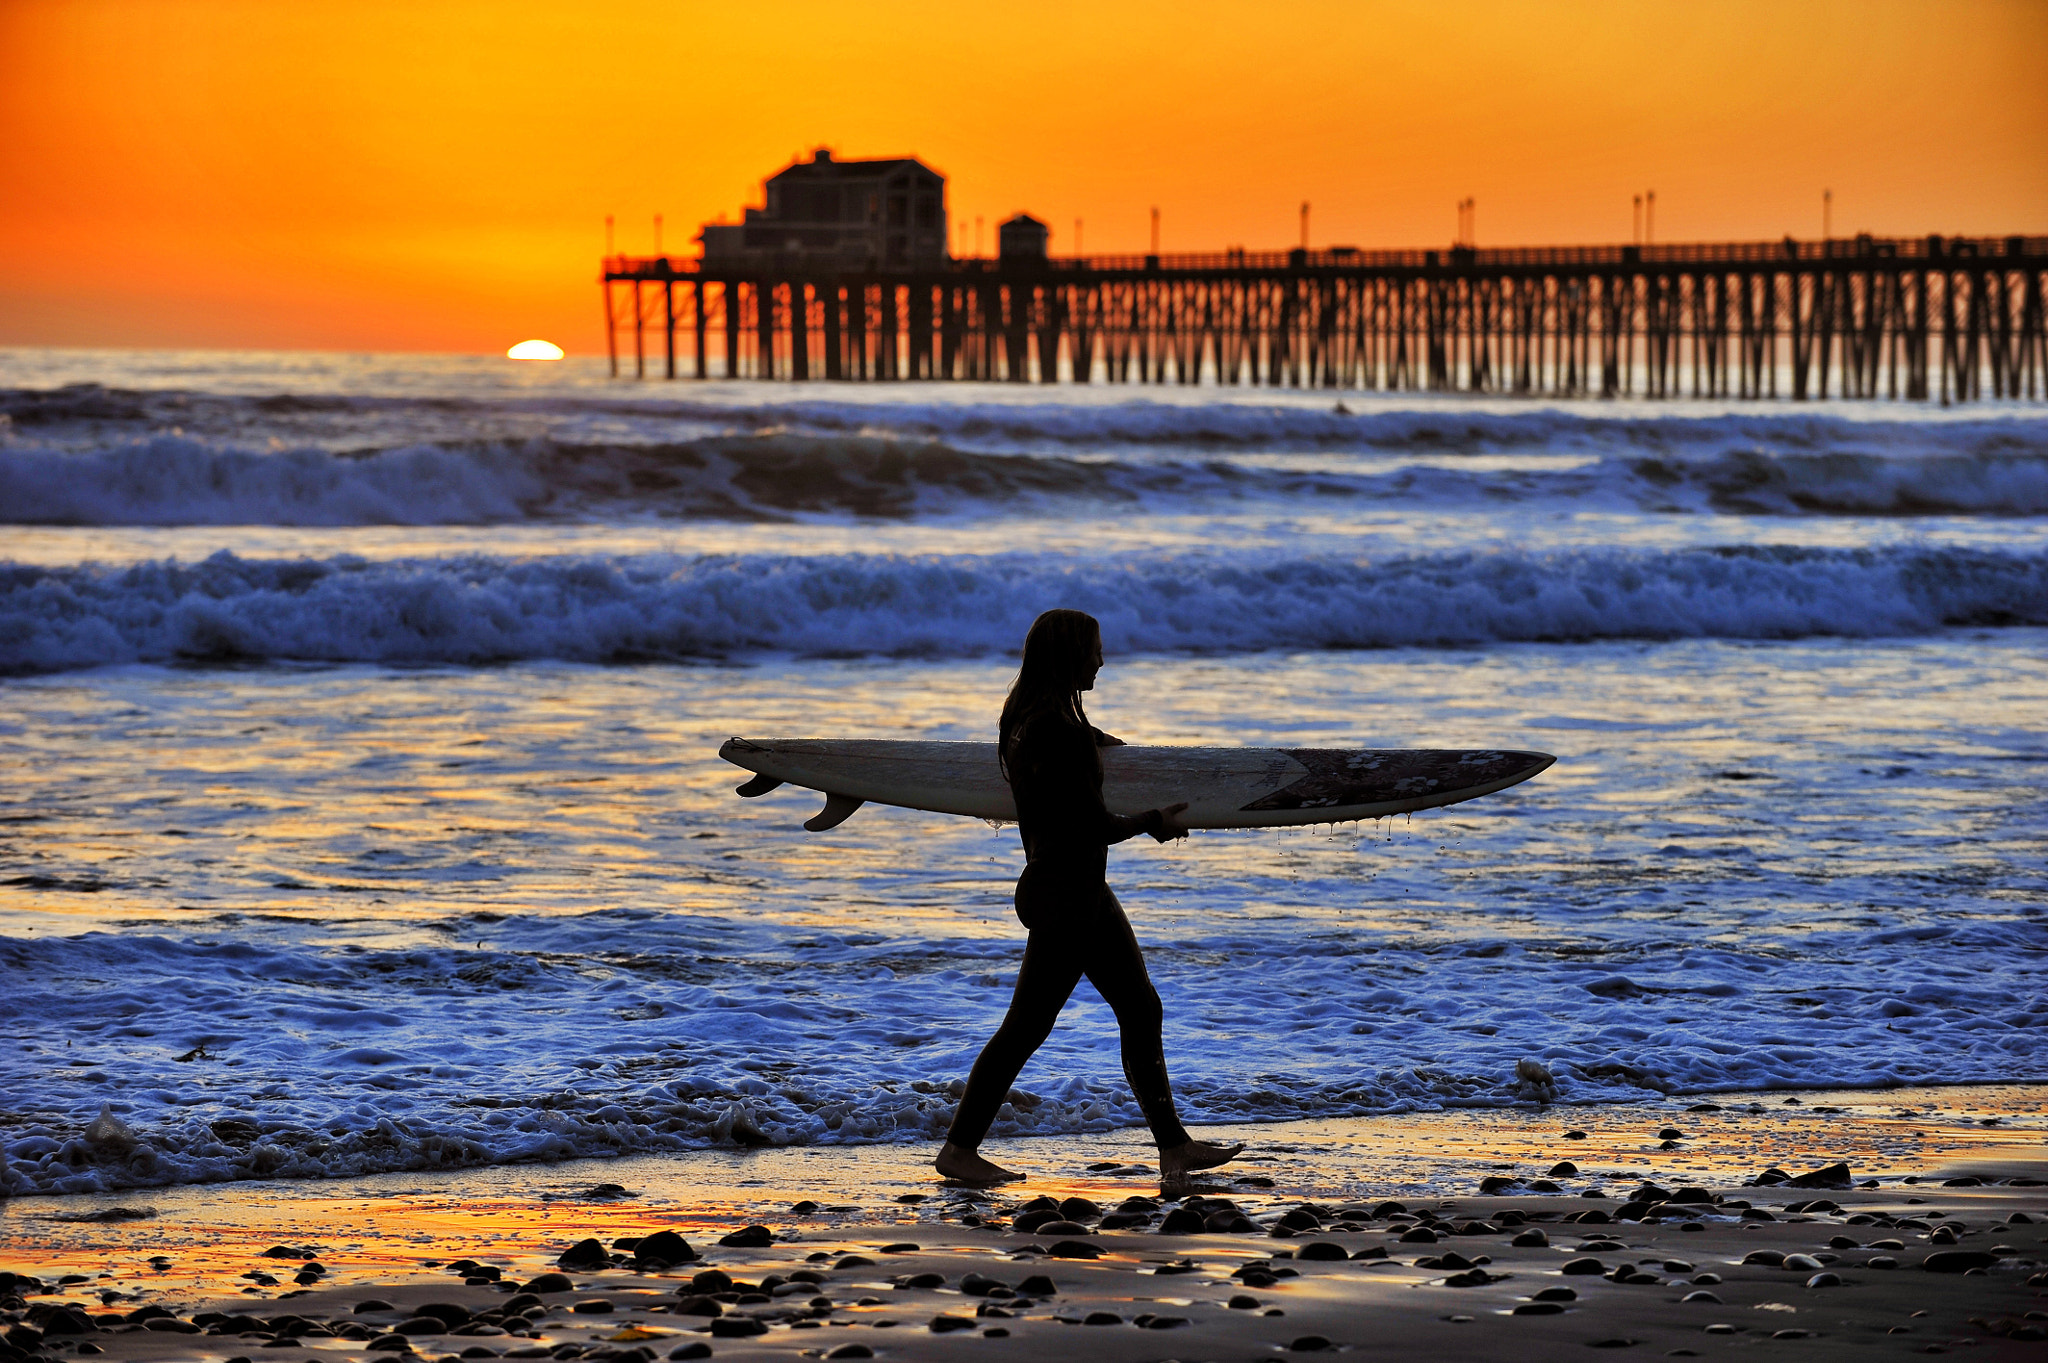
pixel 1194 1156
pixel 968 1167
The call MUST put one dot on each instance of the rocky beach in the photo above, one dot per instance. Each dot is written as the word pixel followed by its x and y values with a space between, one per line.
pixel 1825 1225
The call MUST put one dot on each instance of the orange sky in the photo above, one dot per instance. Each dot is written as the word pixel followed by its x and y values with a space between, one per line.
pixel 434 174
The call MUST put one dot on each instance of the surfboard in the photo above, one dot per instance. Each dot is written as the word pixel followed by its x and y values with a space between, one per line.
pixel 1224 787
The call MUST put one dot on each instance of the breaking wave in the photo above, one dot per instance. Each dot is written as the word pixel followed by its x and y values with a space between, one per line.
pixel 179 480
pixel 481 609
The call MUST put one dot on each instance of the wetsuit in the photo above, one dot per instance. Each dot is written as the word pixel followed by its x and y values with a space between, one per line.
pixel 1077 928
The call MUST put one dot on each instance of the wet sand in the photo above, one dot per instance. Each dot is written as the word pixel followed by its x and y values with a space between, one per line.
pixel 886 1252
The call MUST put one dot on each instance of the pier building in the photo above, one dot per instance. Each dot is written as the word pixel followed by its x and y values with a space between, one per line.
pixel 828 214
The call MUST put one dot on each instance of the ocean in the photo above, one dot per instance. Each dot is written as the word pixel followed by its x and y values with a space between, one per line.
pixel 361 807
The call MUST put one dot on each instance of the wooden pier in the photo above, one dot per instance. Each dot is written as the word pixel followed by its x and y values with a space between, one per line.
pixel 1933 318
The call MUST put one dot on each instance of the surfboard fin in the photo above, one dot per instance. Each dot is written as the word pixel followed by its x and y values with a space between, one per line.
pixel 760 785
pixel 838 809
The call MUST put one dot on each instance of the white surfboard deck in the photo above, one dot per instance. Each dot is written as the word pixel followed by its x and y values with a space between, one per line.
pixel 1224 787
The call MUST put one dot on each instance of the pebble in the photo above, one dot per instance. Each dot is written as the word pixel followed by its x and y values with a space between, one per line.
pixel 549 1282
pixel 1539 1308
pixel 900 1247
pixel 662 1248
pixel 1824 1280
pixel 1958 1260
pixel 843 1351
pixel 1563 1169
pixel 942 1325
pixel 583 1255
pixel 1102 1318
pixel 1579 1268
pixel 1829 1176
pixel 1322 1250
pixel 739 1327
pixel 1531 1239
pixel 1308 1344
pixel 749 1237
pixel 699 1349
pixel 1242 1302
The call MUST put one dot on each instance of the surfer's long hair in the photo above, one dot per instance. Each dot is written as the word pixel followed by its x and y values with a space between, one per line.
pixel 1059 650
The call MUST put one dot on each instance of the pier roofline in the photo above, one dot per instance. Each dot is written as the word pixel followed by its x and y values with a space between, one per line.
pixel 1948 318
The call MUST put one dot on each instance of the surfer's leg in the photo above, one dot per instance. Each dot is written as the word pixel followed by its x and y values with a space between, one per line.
pixel 1046 978
pixel 1116 967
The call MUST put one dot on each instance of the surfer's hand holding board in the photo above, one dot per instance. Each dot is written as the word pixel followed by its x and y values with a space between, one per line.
pixel 1075 791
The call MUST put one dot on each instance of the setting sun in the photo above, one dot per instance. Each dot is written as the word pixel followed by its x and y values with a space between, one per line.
pixel 534 350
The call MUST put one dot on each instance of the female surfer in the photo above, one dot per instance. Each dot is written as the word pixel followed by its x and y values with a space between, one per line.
pixel 1049 754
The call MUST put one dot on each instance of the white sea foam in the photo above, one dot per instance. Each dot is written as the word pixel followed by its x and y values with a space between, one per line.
pixel 346 1062
pixel 479 609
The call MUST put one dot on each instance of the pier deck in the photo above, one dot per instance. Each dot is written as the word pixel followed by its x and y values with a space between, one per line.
pixel 1927 318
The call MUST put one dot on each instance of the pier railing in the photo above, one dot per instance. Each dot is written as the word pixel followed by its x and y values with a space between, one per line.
pixel 1948 318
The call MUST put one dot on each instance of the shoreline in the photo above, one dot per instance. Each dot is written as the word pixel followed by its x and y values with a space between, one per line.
pixel 392 1237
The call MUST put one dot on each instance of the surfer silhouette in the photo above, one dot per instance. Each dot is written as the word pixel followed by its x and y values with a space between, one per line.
pixel 1050 755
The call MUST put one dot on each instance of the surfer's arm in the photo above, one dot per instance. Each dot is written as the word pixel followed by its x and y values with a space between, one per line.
pixel 1059 772
pixel 1120 827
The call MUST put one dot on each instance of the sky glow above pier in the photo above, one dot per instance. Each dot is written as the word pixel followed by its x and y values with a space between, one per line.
pixel 320 175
